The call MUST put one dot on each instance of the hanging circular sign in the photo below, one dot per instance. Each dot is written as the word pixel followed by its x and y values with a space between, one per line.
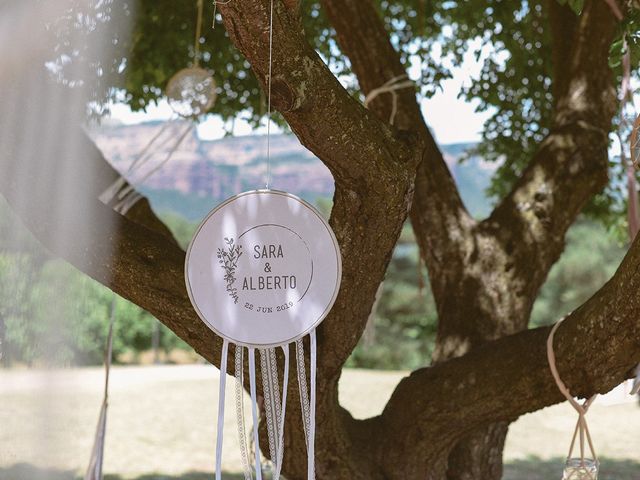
pixel 263 269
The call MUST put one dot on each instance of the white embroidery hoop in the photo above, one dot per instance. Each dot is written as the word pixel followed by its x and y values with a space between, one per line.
pixel 264 215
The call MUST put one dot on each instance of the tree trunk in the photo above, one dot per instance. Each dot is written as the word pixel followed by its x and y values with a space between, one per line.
pixel 479 455
pixel 444 421
pixel 486 306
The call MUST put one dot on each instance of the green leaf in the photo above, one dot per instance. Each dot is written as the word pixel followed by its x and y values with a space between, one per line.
pixel 576 6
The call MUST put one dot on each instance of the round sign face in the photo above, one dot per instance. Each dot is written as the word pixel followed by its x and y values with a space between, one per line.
pixel 263 269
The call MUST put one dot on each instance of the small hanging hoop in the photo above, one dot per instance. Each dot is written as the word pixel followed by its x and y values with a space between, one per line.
pixel 580 468
pixel 191 92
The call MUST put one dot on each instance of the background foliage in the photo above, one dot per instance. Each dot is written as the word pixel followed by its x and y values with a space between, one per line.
pixel 154 40
pixel 51 313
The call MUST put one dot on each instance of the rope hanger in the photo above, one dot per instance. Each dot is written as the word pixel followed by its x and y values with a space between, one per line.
pixel 581 431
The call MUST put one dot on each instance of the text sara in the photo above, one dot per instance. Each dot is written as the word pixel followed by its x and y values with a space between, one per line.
pixel 267 251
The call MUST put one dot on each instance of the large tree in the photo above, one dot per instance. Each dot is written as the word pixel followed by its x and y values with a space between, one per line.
pixel 549 83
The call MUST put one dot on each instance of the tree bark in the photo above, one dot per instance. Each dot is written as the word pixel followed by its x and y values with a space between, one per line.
pixel 514 249
pixel 481 273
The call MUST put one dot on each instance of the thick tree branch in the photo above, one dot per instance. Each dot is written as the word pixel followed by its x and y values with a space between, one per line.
pixel 439 217
pixel 350 140
pixel 571 164
pixel 562 25
pixel 513 250
pixel 597 348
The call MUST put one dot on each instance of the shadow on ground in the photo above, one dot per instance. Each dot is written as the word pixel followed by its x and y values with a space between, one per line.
pixel 536 469
pixel 530 469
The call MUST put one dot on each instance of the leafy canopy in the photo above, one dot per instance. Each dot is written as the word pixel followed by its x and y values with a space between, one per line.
pixel 155 39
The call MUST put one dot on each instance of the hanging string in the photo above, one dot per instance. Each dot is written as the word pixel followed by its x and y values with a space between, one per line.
pixel 126 194
pixel 144 154
pixel 582 429
pixel 146 176
pixel 392 86
pixel 196 43
pixel 269 96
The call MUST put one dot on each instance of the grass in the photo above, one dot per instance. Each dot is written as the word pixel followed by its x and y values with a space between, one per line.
pixel 531 469
pixel 29 472
pixel 162 419
pixel 537 469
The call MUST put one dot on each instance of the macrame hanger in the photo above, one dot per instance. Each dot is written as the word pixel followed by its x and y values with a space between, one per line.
pixel 581 432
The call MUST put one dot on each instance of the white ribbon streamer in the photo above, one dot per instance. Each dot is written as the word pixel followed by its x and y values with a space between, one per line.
pixel 242 437
pixel 270 393
pixel 311 461
pixel 254 409
pixel 302 389
pixel 285 387
pixel 221 395
pixel 275 406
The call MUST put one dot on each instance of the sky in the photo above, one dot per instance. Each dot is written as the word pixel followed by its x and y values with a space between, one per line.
pixel 453 120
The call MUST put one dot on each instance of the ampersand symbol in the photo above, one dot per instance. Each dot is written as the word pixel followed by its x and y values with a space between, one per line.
pixel 267 268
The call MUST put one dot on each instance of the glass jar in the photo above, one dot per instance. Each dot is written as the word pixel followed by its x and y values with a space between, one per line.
pixel 580 469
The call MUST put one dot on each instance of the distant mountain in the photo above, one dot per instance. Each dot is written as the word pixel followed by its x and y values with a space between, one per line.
pixel 200 174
